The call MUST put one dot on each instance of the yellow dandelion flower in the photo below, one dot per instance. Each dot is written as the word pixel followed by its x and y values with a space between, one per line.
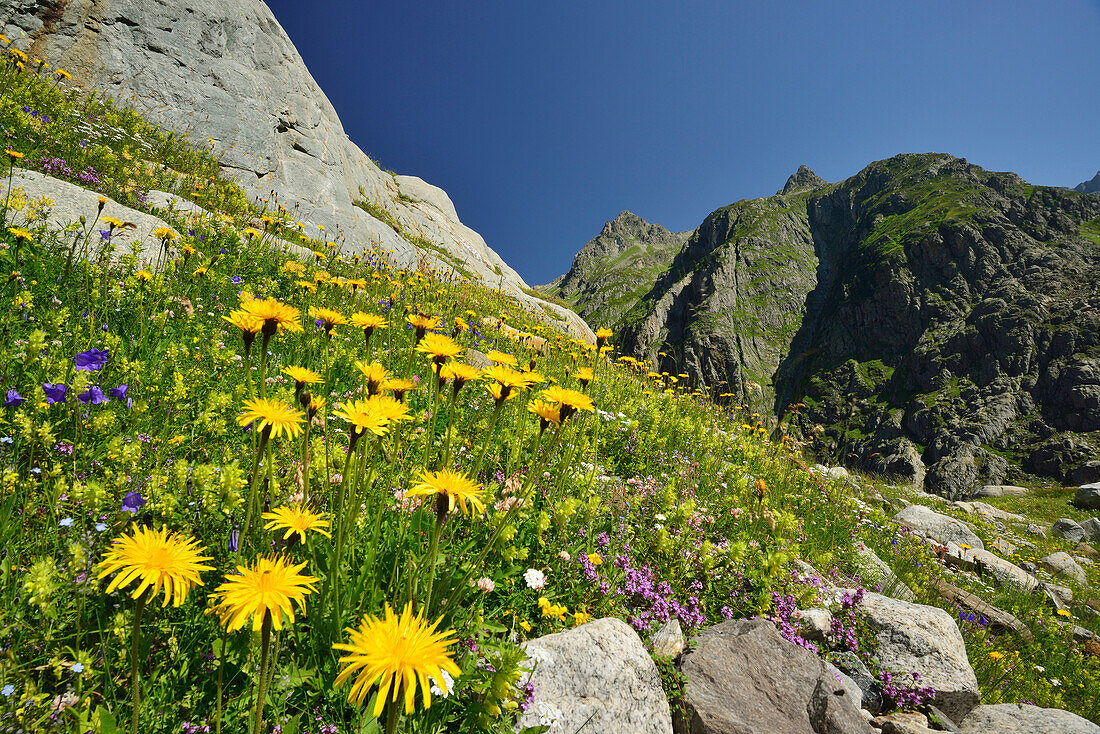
pixel 368 322
pixel 570 400
pixel 164 234
pixel 547 412
pixel 422 323
pixel 13 154
pixel 302 376
pixel 296 520
pixel 460 373
pixel 330 317
pixel 307 285
pixel 439 347
pixel 375 374
pixel 502 358
pixel 20 234
pixel 397 653
pixel 144 275
pixel 274 314
pixel 451 487
pixel 269 586
pixel 159 560
pixel 399 387
pixel 583 375
pixel 274 417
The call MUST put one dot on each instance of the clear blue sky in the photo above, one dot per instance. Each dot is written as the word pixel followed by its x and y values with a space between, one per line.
pixel 542 120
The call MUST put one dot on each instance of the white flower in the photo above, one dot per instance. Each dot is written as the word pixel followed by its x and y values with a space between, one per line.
pixel 539 655
pixel 1055 682
pixel 535 579
pixel 549 715
pixel 564 555
pixel 1040 668
pixel 486 584
pixel 448 685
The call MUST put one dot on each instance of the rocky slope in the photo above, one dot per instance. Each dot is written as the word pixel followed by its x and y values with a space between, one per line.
pixel 1089 187
pixel 229 74
pixel 616 268
pixel 924 312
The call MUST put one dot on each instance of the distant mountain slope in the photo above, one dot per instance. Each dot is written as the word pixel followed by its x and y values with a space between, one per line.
pixel 924 312
pixel 1091 186
pixel 616 267
pixel 228 73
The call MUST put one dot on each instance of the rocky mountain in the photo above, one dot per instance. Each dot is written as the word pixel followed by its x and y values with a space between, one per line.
pixel 227 73
pixel 922 313
pixel 616 268
pixel 1089 187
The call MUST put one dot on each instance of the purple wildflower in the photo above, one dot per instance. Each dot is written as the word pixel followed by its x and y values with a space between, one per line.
pixel 54 393
pixel 94 395
pixel 132 502
pixel 14 399
pixel 92 360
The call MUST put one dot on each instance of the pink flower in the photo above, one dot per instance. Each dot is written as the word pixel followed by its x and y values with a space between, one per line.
pixel 486 584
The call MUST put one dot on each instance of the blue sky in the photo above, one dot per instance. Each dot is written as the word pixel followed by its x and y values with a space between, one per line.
pixel 543 120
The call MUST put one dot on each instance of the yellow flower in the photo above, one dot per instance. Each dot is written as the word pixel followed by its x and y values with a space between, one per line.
pixel 399 387
pixel 164 234
pixel 459 372
pixel 397 653
pixel 252 233
pixel 328 316
pixel 275 417
pixel 547 412
pixel 368 322
pixel 438 347
pixel 603 335
pixel 269 586
pixel 20 234
pixel 1063 613
pixel 570 401
pixel 297 519
pixel 525 625
pixel 502 358
pixel 301 376
pixel 373 414
pixel 249 324
pixel 584 375
pixel 452 486
pixel 144 276
pixel 594 559
pixel 422 323
pixel 274 314
pixel 160 559
pixel 306 285
pixel 199 272
pixel 375 374
pixel 13 154
pixel 995 655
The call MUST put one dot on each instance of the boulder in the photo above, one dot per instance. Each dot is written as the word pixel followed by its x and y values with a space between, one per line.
pixel 743 677
pixel 815 624
pixel 1062 564
pixel 1068 529
pixel 1005 572
pixel 989 511
pixel 1000 490
pixel 1036 529
pixel 849 684
pixel 1084 474
pixel 600 675
pixel 668 642
pixel 1087 496
pixel 474 358
pixel 902 722
pixel 1092 529
pixel 1002 546
pixel 870 689
pixel 914 638
pixel 940 527
pixel 1016 718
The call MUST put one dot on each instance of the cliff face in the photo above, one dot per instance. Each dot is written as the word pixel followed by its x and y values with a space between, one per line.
pixel 1091 186
pixel 616 267
pixel 922 313
pixel 227 73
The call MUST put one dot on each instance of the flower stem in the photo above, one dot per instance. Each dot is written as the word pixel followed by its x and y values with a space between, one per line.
pixel 265 644
pixel 135 666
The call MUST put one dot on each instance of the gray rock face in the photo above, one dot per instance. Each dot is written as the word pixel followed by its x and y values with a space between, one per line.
pixel 1069 530
pixel 932 524
pixel 1002 571
pixel 926 640
pixel 744 678
pixel 228 73
pixel 616 268
pixel 1062 564
pixel 1014 718
pixel 1085 474
pixel 597 674
pixel 1087 496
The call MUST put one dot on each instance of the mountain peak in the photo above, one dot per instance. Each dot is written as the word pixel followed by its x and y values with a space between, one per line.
pixel 1091 186
pixel 802 179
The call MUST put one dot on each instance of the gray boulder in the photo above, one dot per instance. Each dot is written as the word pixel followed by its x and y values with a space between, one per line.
pixel 600 675
pixel 932 524
pixel 1091 527
pixel 1016 718
pixel 1084 474
pixel 815 624
pixel 870 689
pixel 1004 572
pixel 1068 529
pixel 1000 490
pixel 1087 496
pixel 1062 564
pixel 668 642
pixel 913 638
pixel 743 678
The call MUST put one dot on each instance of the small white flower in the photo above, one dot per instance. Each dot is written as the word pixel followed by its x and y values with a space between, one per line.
pixel 564 555
pixel 539 655
pixel 535 579
pixel 1040 668
pixel 66 522
pixel 486 584
pixel 1055 682
pixel 448 685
